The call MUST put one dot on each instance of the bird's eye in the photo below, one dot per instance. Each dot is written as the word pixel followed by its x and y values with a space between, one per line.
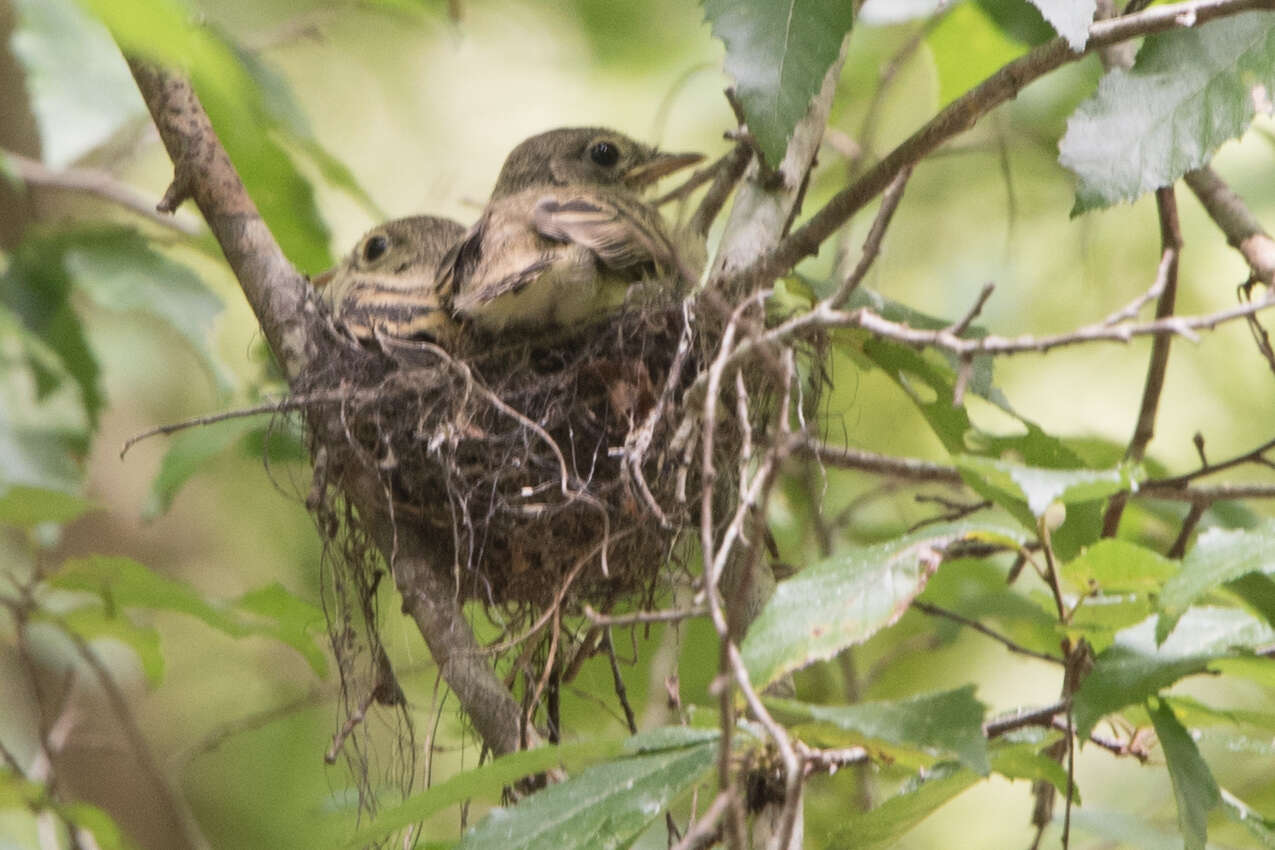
pixel 604 154
pixel 375 248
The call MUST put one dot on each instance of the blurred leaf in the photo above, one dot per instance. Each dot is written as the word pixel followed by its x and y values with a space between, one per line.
pixel 37 289
pixel 1189 91
pixel 163 32
pixel 25 507
pixel 1120 829
pixel 885 12
pixel 1135 667
pixel 1192 712
pixel 1258 592
pixel 95 623
pixel 604 806
pixel 281 441
pixel 189 452
pixel 106 833
pixel 1119 566
pixel 1024 760
pixel 1259 826
pixel 288 619
pixel 124 583
pixel 883 826
pixel 119 270
pixel 1011 483
pixel 967 49
pixel 1193 783
pixel 778 54
pixel 942 724
pixel 1219 555
pixel 1019 20
pixel 60 48
pixel 845 599
pixel 1069 18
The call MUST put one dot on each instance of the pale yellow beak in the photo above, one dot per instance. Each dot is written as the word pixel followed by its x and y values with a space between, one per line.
pixel 661 165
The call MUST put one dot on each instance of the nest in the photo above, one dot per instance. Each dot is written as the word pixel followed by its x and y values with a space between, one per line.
pixel 546 471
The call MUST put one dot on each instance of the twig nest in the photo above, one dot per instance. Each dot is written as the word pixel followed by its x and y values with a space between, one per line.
pixel 541 465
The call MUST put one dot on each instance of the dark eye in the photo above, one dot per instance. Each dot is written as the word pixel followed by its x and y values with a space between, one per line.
pixel 604 154
pixel 375 248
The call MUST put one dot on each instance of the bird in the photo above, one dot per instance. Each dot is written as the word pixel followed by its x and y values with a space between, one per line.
pixel 385 286
pixel 564 233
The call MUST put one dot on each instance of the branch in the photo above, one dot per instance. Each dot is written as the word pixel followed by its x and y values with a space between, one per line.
pixel 297 335
pixel 100 184
pixel 1243 231
pixel 964 112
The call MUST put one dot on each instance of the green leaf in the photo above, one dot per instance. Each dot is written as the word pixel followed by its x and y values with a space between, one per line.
pixel 1019 20
pixel 1193 783
pixel 124 583
pixel 1258 592
pixel 883 826
pixel 119 270
pixel 1069 18
pixel 1219 555
pixel 162 31
pixel 942 724
pixel 604 806
pixel 95 623
pixel 486 782
pixel 1120 829
pixel 885 12
pixel 1024 760
pixel 1118 566
pixel 1136 667
pixel 1189 91
pixel 86 816
pixel 26 507
pixel 778 53
pixel 188 453
pixel 60 49
pixel 1039 488
pixel 846 599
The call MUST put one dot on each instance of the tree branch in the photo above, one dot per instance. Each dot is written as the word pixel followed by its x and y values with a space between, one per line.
pixel 1243 231
pixel 296 333
pixel 964 112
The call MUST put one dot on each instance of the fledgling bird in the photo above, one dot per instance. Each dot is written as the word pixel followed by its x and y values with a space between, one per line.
pixel 564 234
pixel 385 286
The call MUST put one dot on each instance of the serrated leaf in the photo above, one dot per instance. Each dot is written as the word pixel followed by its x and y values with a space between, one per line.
pixel 883 826
pixel 1069 18
pixel 1039 488
pixel 778 52
pixel 1135 667
pixel 119 270
pixel 1193 783
pixel 486 782
pixel 1189 91
pixel 943 724
pixel 188 453
pixel 844 600
pixel 605 806
pixel 1219 555
pixel 60 48
pixel 26 507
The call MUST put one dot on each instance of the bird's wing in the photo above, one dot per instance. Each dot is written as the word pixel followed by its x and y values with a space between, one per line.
pixel 490 261
pixel 625 234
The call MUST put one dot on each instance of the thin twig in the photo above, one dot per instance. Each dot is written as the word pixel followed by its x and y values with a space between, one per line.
pixel 936 611
pixel 643 617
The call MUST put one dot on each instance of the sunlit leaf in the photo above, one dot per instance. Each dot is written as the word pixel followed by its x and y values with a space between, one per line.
pixel 1190 90
pixel 1193 783
pixel 188 453
pixel 778 52
pixel 1135 667
pixel 25 507
pixel 604 806
pixel 1219 555
pixel 881 827
pixel 1118 566
pixel 885 12
pixel 967 48
pixel 60 48
pixel 845 599
pixel 943 724
pixel 1070 18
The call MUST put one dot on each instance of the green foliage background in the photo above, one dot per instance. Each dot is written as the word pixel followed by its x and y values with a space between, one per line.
pixel 341 114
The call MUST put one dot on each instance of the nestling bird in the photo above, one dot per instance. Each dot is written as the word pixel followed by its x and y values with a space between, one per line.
pixel 564 234
pixel 385 286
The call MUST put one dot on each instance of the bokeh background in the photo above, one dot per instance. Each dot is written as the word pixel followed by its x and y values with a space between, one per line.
pixel 421 101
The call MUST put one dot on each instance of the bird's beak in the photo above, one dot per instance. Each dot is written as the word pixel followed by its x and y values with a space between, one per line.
pixel 661 165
